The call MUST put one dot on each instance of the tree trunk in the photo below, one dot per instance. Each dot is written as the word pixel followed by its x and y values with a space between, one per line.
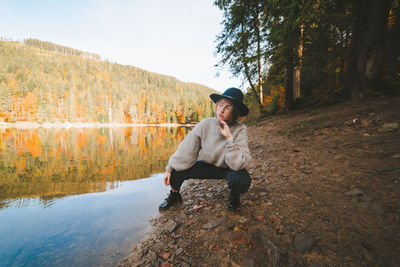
pixel 367 47
pixel 253 89
pixel 297 70
pixel 288 104
pixel 260 81
pixel 248 77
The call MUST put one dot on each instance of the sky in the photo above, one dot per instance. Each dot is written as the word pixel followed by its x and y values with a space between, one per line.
pixel 171 37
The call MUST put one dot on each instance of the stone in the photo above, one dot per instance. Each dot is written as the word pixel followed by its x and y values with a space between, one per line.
pixel 214 223
pixel 267 246
pixel 354 192
pixel 389 127
pixel 188 202
pixel 171 226
pixel 178 251
pixel 304 243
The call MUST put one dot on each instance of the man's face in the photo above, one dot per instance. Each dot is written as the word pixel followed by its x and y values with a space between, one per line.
pixel 224 109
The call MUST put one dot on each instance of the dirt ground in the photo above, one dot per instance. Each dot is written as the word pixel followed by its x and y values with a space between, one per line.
pixel 325 192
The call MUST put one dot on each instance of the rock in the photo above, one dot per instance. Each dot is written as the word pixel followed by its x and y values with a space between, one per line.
pixel 303 243
pixel 306 169
pixel 197 207
pixel 178 251
pixel 267 246
pixel 354 192
pixel 389 127
pixel 171 226
pixel 214 223
pixel 188 202
pixel 164 255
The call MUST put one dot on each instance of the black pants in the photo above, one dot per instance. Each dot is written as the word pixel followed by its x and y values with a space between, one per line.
pixel 238 181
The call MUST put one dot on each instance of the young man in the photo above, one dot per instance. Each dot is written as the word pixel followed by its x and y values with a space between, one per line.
pixel 217 148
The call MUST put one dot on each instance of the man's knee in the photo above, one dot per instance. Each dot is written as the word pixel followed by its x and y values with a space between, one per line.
pixel 238 180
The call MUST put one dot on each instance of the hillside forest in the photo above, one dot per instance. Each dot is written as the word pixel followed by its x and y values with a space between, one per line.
pixel 45 82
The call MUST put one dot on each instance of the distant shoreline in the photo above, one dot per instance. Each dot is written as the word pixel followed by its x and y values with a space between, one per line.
pixel 33 125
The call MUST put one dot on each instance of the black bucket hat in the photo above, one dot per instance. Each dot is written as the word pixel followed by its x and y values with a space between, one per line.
pixel 236 96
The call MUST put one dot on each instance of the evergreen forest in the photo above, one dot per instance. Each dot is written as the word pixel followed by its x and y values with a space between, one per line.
pixel 45 82
pixel 294 52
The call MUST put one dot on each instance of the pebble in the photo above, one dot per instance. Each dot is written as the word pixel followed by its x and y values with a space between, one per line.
pixel 354 192
pixel 179 251
pixel 389 127
pixel 170 226
pixel 214 223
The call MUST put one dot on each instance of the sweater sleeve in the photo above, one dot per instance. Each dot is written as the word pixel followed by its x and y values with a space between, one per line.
pixel 237 154
pixel 187 153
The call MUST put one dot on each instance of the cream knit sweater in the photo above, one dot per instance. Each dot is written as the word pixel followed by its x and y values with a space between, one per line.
pixel 205 142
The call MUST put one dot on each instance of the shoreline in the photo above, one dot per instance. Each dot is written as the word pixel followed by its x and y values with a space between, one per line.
pixel 33 125
pixel 311 198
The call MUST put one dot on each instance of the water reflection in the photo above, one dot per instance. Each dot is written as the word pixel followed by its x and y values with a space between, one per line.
pixel 95 229
pixel 44 164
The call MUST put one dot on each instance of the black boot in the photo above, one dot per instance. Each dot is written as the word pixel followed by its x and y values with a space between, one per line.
pixel 172 199
pixel 234 201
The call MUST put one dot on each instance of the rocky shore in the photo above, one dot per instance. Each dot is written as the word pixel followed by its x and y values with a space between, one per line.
pixel 325 192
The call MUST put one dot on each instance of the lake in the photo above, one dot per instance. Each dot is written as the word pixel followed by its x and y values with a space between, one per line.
pixel 79 196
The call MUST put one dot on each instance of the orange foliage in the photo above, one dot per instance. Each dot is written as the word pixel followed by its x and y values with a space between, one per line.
pixel 34 146
pixel 275 91
pixel 180 118
pixel 101 139
pixel 82 140
pixel 20 164
pixel 28 141
pixel 180 134
pixel 142 141
pixel 199 110
pixel 12 83
pixel 80 110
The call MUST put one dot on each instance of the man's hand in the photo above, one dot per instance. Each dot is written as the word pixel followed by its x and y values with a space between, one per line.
pixel 225 130
pixel 167 177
